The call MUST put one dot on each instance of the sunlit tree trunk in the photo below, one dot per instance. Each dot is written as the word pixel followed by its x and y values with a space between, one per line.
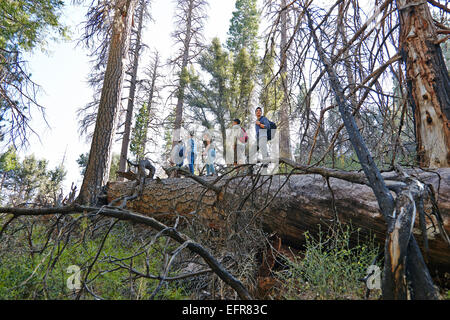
pixel 428 83
pixel 97 170
pixel 151 95
pixel 184 63
pixel 130 105
pixel 285 148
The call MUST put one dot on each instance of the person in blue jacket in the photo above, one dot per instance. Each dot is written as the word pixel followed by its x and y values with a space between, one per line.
pixel 192 152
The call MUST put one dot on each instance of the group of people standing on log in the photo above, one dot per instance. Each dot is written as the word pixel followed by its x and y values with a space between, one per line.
pixel 237 141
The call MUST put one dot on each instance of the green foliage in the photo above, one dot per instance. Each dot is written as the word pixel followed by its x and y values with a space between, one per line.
pixel 52 185
pixel 8 163
pixel 184 77
pixel 243 44
pixel 231 72
pixel 15 270
pixel 243 31
pixel 272 94
pixel 31 172
pixel 139 133
pixel 8 160
pixel 26 23
pixel 30 180
pixel 331 266
pixel 227 93
pixel 243 81
pixel 82 162
pixel 115 159
pixel 213 97
pixel 168 132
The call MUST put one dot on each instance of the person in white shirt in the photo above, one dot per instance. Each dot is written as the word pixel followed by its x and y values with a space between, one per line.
pixel 209 155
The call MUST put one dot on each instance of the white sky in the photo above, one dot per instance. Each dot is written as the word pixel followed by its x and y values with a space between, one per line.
pixel 63 72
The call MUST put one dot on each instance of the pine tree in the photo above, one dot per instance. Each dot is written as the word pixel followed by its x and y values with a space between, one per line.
pixel 29 181
pixel 139 133
pixel 243 43
pixel 243 31
pixel 99 163
pixel 212 102
pixel 24 26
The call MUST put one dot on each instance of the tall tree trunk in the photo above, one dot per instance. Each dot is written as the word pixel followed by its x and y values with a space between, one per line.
pixel 182 84
pixel 130 106
pixel 285 147
pixel 150 97
pixel 428 83
pixel 97 170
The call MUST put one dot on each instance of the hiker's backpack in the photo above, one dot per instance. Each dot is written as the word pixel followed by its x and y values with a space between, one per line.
pixel 181 152
pixel 243 138
pixel 273 126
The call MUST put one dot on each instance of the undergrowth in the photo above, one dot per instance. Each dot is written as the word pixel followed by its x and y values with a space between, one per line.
pixel 330 267
pixel 32 268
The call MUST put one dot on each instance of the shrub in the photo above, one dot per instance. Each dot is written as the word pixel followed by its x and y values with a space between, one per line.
pixel 330 268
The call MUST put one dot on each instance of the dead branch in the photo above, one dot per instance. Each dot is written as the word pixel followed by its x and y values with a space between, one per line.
pixel 121 214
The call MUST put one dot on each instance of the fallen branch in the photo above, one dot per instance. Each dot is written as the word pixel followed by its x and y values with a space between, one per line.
pixel 197 179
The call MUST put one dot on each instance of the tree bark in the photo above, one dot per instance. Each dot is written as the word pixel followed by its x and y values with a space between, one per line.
pixel 130 105
pixel 151 95
pixel 182 85
pixel 303 203
pixel 428 82
pixel 97 170
pixel 285 148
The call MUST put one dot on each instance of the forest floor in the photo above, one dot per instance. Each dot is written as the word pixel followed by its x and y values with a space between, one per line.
pixel 36 252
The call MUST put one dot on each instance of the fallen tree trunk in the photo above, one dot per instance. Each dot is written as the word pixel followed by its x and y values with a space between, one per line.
pixel 291 205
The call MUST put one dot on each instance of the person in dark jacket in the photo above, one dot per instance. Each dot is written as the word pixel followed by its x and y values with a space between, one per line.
pixel 262 124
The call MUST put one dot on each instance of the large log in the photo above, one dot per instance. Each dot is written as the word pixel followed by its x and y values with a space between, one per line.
pixel 290 206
